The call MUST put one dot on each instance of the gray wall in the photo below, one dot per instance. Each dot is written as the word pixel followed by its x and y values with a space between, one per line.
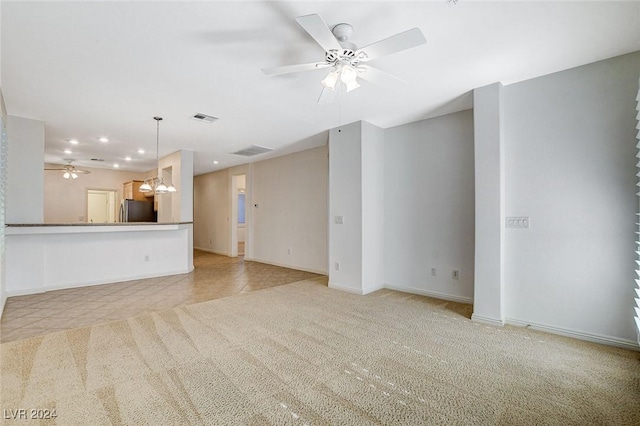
pixel 429 206
pixel 570 167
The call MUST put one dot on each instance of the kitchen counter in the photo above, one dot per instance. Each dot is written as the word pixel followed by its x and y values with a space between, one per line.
pixel 94 224
pixel 83 227
pixel 48 256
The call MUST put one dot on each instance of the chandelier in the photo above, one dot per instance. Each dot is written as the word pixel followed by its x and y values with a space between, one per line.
pixel 156 184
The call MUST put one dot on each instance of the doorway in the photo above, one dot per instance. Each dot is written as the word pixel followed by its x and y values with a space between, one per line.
pixel 101 206
pixel 238 215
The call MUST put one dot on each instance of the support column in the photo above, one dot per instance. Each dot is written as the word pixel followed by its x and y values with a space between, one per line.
pixel 356 208
pixel 488 304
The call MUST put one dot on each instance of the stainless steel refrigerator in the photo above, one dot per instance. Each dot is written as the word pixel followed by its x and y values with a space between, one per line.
pixel 137 211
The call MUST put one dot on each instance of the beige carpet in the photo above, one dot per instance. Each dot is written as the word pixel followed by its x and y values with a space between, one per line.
pixel 303 354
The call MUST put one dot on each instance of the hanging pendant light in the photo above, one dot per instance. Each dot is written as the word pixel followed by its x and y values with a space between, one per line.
pixel 156 184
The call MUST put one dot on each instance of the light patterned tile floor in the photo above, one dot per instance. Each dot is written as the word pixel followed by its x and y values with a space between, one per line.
pixel 214 277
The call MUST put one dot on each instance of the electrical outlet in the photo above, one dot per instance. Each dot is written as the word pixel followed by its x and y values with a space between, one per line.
pixel 146 258
pixel 455 274
pixel 337 266
pixel 288 251
pixel 433 272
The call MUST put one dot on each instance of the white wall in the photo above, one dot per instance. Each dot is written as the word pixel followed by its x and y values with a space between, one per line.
pixel 3 179
pixel 372 164
pixel 489 155
pixel 429 206
pixel 570 167
pixel 51 257
pixel 289 226
pixel 177 206
pixel 24 202
pixel 65 200
pixel 345 199
pixel 291 193
pixel 211 203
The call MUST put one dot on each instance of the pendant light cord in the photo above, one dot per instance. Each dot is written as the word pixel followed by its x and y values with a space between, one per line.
pixel 158 119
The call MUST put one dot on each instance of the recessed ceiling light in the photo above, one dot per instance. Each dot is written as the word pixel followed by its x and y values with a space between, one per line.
pixel 67 151
pixel 215 161
pixel 141 151
pixel 116 165
pixel 73 142
pixel 103 139
pixel 127 158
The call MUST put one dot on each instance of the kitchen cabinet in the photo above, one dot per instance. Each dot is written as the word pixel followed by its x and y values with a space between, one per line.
pixel 131 191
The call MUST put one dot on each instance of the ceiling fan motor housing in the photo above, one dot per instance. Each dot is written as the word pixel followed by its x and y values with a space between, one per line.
pixel 342 31
pixel 344 56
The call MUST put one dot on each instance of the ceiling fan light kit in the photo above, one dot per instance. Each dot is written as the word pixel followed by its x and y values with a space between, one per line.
pixel 344 58
pixel 69 171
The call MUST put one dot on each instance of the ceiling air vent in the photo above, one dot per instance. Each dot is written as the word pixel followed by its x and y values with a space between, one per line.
pixel 204 118
pixel 252 150
pixel 97 159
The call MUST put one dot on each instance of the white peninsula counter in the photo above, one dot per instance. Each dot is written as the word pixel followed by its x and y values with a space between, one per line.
pixel 42 257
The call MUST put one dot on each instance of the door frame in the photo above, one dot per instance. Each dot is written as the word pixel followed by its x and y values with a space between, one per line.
pixel 233 216
pixel 116 205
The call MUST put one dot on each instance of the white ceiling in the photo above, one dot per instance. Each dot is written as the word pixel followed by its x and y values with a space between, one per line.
pixel 91 69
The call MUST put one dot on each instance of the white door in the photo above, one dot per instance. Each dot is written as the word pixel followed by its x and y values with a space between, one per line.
pixel 100 206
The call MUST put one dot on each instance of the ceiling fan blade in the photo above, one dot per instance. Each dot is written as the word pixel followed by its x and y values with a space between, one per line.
pixel 405 40
pixel 85 172
pixel 376 76
pixel 318 29
pixel 288 69
pixel 60 170
pixel 327 96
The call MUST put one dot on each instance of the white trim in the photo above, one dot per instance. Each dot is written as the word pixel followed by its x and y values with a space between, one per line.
pixel 3 300
pixel 371 289
pixel 580 335
pixel 345 288
pixel 428 293
pixel 284 265
pixel 486 320
pixel 25 292
pixel 223 253
pixel 11 230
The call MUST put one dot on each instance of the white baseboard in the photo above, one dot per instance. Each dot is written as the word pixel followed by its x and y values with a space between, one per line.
pixel 345 288
pixel 486 320
pixel 429 293
pixel 2 302
pixel 21 292
pixel 223 253
pixel 589 337
pixel 284 265
pixel 371 289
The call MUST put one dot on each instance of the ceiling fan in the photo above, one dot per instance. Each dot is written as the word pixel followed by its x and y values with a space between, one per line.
pixel 347 62
pixel 70 171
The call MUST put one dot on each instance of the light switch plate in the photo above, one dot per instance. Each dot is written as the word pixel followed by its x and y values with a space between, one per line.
pixel 339 220
pixel 521 222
